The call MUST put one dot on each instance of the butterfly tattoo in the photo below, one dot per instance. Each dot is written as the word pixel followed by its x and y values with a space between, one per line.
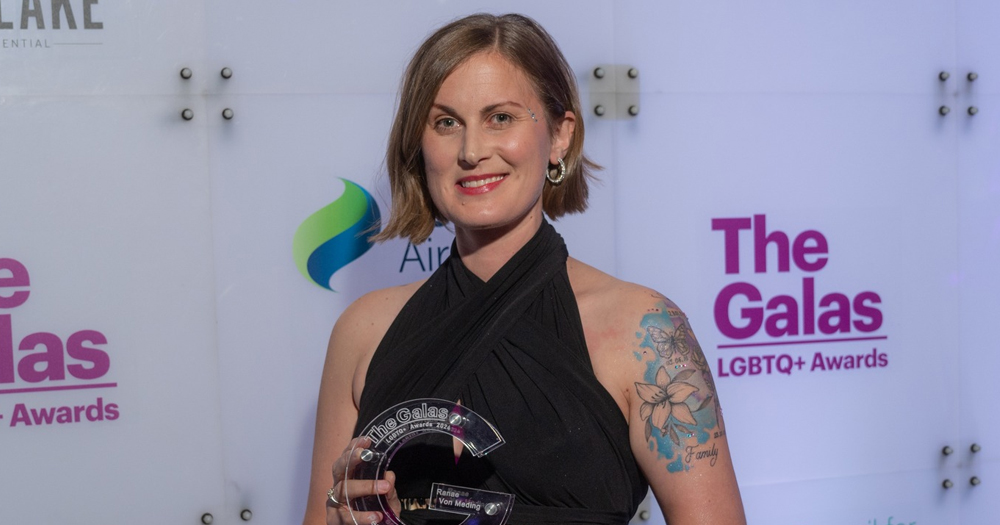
pixel 670 343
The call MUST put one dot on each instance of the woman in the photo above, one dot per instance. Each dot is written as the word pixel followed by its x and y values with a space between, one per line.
pixel 597 385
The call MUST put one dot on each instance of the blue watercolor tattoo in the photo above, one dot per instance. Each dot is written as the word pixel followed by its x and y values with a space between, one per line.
pixel 679 401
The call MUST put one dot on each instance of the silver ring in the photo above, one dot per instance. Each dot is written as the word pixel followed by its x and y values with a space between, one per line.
pixel 332 497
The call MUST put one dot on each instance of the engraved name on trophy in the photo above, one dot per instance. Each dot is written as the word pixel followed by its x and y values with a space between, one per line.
pixel 391 429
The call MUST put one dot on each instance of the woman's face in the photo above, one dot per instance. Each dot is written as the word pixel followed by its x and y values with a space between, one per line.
pixel 487 146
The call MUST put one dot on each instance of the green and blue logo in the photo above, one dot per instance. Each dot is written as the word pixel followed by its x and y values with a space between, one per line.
pixel 335 235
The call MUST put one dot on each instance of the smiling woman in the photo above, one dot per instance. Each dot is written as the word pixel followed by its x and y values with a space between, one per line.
pixel 566 361
pixel 482 118
pixel 527 49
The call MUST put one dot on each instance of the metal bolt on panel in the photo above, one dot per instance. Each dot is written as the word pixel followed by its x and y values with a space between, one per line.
pixel 614 91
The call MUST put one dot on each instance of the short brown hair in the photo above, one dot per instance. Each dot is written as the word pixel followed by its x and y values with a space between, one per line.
pixel 524 43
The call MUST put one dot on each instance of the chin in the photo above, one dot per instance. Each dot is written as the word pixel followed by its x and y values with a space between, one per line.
pixel 487 223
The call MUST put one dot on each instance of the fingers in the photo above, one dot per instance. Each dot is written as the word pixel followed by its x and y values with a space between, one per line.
pixel 357 488
pixel 347 460
pixel 385 487
pixel 353 457
pixel 391 495
pixel 343 515
pixel 390 478
pixel 344 491
pixel 347 490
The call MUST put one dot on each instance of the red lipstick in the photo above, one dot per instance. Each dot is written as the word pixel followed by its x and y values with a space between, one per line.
pixel 479 184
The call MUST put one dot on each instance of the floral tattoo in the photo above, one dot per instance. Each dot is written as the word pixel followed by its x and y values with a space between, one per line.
pixel 680 411
pixel 664 404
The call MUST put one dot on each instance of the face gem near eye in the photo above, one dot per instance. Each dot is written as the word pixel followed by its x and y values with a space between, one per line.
pixel 484 156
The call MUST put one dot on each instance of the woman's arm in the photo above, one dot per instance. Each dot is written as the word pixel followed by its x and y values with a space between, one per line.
pixel 336 413
pixel 675 422
pixel 353 341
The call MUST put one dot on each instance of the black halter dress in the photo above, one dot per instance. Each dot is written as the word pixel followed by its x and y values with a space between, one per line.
pixel 512 349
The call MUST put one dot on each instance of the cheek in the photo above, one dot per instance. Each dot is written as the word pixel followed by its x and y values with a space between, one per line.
pixel 435 184
pixel 527 151
pixel 435 159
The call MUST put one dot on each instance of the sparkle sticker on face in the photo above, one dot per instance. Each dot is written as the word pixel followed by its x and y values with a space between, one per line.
pixel 391 429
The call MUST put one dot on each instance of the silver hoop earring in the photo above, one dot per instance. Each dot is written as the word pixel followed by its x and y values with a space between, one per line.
pixel 560 177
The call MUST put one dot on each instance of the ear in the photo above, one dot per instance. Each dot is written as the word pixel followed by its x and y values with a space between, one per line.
pixel 562 137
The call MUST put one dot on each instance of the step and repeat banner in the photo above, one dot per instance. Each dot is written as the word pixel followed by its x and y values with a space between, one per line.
pixel 182 184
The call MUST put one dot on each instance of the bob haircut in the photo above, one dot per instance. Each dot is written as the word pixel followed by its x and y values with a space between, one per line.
pixel 525 44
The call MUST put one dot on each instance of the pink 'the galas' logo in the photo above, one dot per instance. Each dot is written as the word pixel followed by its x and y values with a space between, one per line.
pixel 44 357
pixel 786 315
pixel 841 324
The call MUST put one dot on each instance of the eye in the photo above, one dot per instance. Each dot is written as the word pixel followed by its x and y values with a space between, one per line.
pixel 500 120
pixel 445 124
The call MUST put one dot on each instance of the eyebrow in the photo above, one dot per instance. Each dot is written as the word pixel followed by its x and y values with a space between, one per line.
pixel 485 110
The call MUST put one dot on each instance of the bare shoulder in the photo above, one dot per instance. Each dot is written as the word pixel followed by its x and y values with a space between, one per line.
pixel 612 309
pixel 361 327
pixel 638 339
pixel 613 312
pixel 596 289
pixel 369 317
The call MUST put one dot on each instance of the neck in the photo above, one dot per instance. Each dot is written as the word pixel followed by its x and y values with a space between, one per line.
pixel 485 251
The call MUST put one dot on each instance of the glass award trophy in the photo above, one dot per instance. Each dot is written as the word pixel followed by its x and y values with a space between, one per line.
pixel 401 423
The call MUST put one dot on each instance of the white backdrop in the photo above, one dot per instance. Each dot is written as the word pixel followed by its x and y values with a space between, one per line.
pixel 165 245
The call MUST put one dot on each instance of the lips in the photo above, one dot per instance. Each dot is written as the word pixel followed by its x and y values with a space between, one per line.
pixel 478 184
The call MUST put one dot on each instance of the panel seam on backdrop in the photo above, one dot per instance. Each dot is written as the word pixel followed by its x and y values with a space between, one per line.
pixel 615 186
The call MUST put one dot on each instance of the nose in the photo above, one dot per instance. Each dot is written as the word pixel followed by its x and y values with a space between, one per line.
pixel 475 147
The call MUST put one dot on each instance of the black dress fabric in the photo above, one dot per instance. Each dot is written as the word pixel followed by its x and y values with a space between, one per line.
pixel 512 349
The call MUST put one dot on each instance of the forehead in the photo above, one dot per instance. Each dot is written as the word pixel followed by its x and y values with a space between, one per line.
pixel 486 78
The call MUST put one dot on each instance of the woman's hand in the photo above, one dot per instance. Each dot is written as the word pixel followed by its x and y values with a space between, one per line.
pixel 338 506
